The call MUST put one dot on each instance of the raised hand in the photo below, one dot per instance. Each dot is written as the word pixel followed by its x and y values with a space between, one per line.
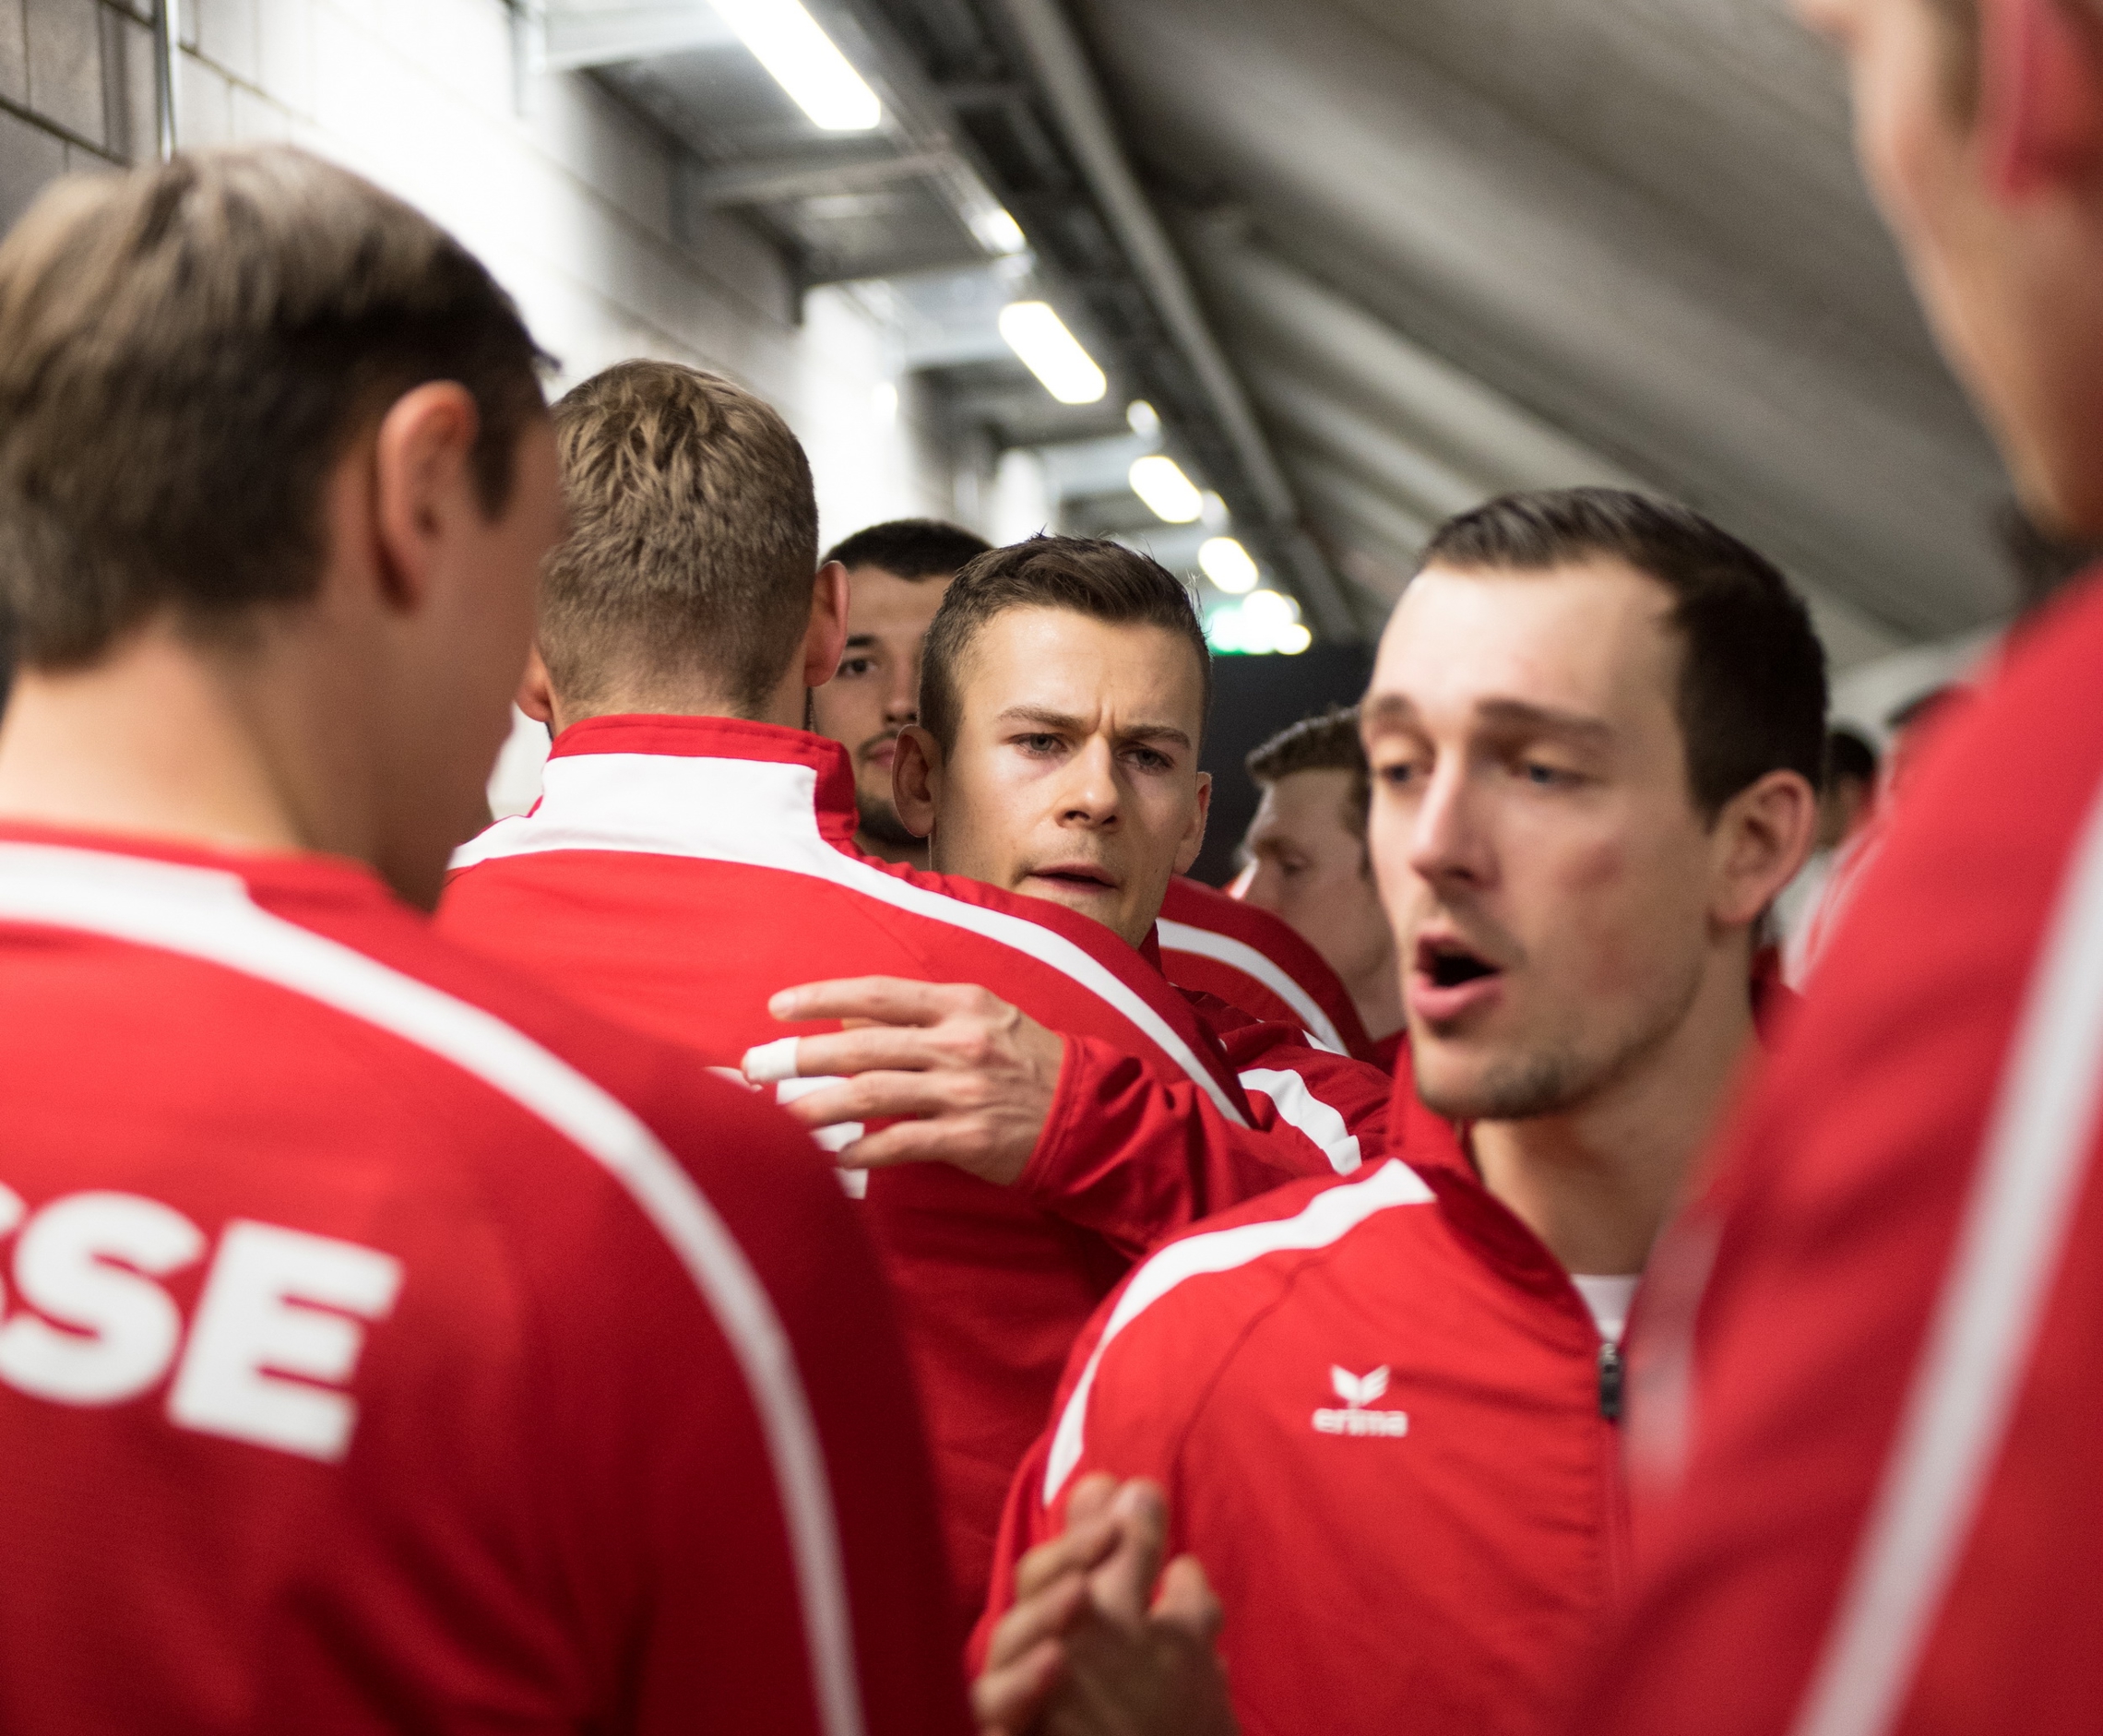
pixel 963 1077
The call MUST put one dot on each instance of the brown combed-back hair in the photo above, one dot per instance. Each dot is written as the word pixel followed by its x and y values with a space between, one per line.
pixel 1090 575
pixel 1751 690
pixel 185 352
pixel 694 539
pixel 1328 742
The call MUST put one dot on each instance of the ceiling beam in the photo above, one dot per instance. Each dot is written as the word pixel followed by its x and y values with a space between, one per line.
pixel 1069 85
pixel 806 177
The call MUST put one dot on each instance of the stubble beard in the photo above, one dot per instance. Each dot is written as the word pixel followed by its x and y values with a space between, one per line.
pixel 1557 1081
pixel 880 821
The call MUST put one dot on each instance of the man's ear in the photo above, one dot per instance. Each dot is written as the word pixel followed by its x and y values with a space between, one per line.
pixel 1193 834
pixel 422 487
pixel 2040 94
pixel 1762 838
pixel 916 779
pixel 825 641
pixel 536 695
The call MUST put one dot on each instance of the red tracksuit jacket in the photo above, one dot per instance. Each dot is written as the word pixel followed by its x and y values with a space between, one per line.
pixel 390 1348
pixel 1258 962
pixel 1881 1415
pixel 678 871
pixel 1380 1410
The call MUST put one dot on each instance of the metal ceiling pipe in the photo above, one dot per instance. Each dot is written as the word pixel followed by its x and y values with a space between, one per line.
pixel 167 68
pixel 1068 84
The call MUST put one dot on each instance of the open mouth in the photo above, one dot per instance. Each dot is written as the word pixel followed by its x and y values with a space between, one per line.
pixel 1450 965
pixel 1079 875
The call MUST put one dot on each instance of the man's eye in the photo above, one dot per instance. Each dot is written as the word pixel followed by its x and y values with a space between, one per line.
pixel 855 666
pixel 1544 777
pixel 1151 758
pixel 1038 743
pixel 1399 774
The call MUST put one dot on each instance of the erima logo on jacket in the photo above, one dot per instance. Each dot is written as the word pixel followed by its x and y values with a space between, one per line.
pixel 1357 1391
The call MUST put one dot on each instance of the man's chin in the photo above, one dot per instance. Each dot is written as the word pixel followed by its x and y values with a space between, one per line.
pixel 1105 907
pixel 1510 1087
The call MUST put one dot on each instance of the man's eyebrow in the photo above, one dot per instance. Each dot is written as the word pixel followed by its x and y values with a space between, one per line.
pixel 1517 714
pixel 854 640
pixel 1394 710
pixel 1070 725
pixel 1387 710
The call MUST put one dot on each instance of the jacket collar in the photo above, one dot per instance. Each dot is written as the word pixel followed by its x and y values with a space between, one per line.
pixel 1437 1149
pixel 666 736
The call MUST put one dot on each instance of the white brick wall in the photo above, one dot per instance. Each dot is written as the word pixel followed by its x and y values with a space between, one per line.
pixel 569 202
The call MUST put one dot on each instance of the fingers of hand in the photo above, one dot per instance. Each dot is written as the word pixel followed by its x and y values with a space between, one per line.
pixel 1006 1700
pixel 899 1048
pixel 889 1000
pixel 1045 1614
pixel 1187 1600
pixel 993 1147
pixel 872 1097
pixel 1123 1585
pixel 1089 1535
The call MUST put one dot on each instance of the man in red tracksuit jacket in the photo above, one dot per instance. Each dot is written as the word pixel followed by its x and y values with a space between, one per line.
pixel 387 1345
pixel 1064 687
pixel 1867 1449
pixel 691 858
pixel 1384 1409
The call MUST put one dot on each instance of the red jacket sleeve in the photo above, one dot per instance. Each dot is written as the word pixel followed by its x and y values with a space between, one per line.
pixel 1136 1160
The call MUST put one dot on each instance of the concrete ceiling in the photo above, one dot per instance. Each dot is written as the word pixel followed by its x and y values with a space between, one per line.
pixel 1460 245
pixel 1440 248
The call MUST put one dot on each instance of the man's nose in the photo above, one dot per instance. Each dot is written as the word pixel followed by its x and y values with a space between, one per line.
pixel 1090 794
pixel 1446 840
pixel 902 698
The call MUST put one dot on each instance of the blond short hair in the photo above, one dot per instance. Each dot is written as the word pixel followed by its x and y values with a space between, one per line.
pixel 694 540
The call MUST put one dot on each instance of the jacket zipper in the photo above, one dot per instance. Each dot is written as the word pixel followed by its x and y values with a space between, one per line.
pixel 1609 1380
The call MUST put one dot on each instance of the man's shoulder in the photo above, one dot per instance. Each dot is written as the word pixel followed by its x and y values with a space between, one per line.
pixel 1218 1274
pixel 275 944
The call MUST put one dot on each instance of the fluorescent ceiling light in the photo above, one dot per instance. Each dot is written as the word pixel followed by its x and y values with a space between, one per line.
pixel 786 41
pixel 1227 565
pixel 1169 495
pixel 1261 624
pixel 1142 419
pixel 1036 333
pixel 997 230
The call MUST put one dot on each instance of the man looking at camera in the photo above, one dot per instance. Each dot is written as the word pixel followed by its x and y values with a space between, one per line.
pixel 896 575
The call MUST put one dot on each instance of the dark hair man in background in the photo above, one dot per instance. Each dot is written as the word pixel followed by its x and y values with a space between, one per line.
pixel 1387 1406
pixel 1850 788
pixel 690 867
pixel 1309 864
pixel 387 1345
pixel 1805 912
pixel 896 573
